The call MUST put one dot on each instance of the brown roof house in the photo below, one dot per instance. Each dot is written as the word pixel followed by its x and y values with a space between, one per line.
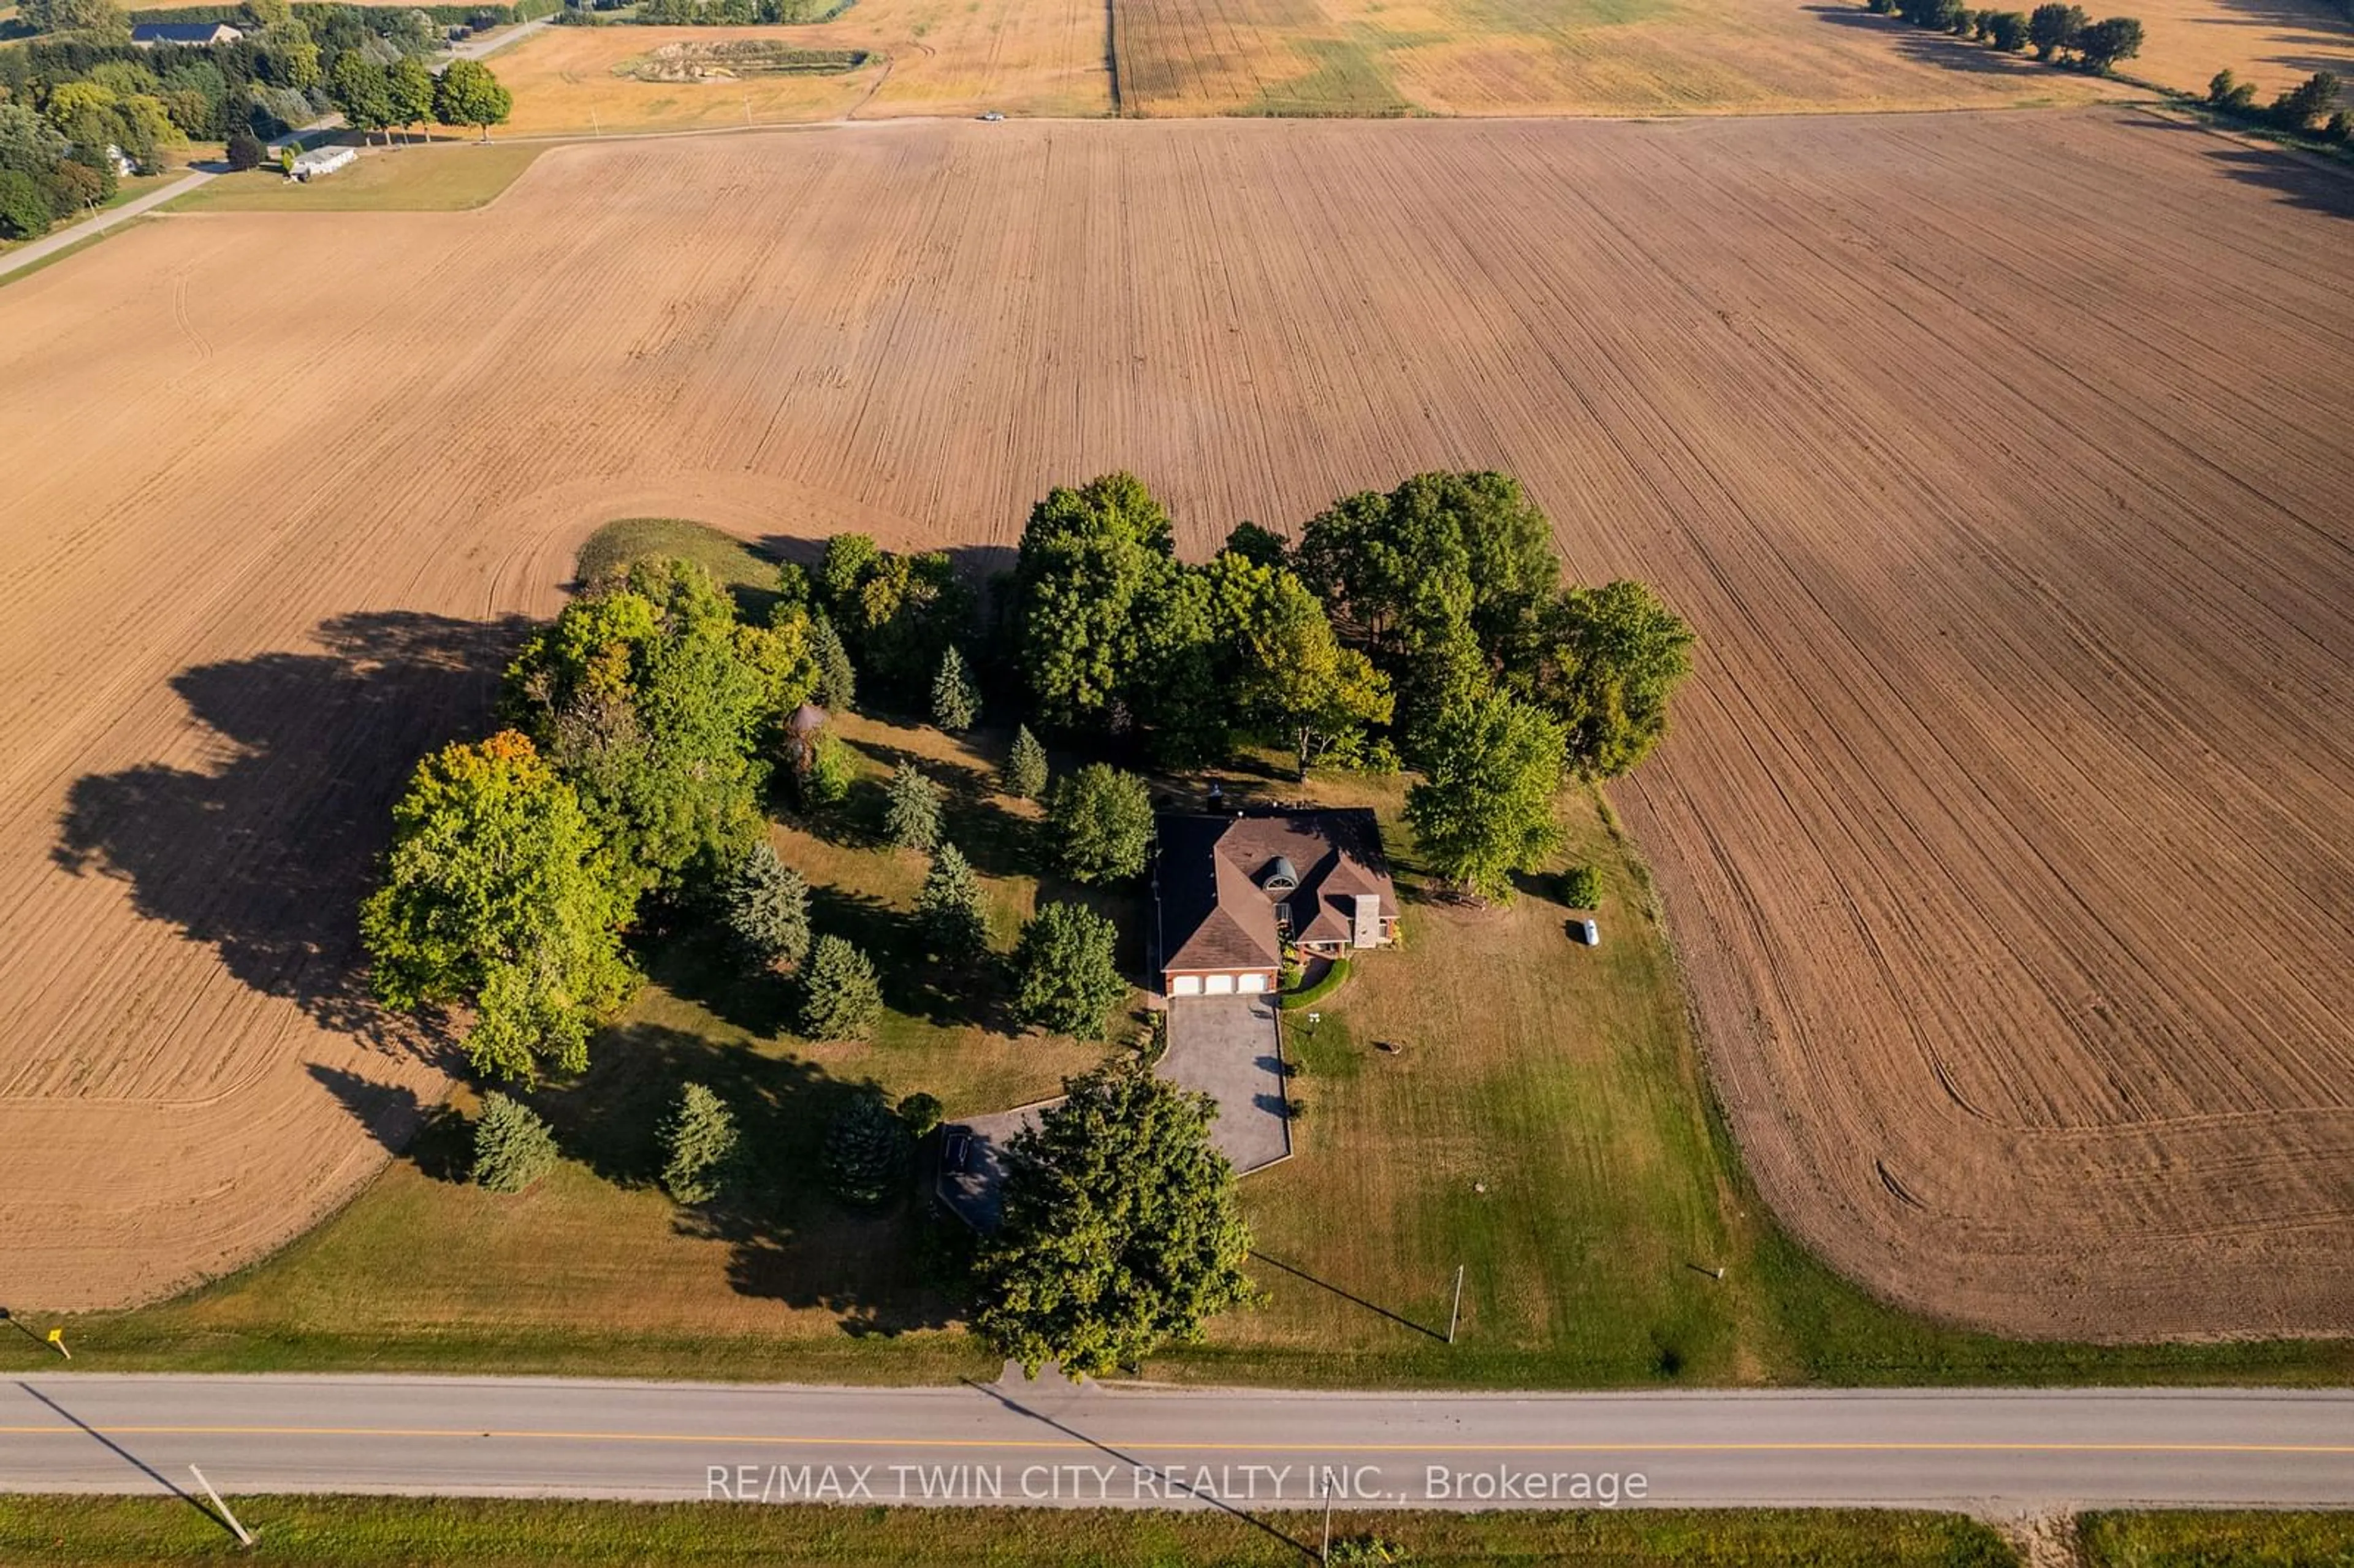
pixel 1230 891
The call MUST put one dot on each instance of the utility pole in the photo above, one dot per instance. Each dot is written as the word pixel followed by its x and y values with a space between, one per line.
pixel 1454 1316
pixel 242 1538
pixel 1326 1556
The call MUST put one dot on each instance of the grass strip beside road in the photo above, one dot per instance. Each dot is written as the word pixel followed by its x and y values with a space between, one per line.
pixel 439 178
pixel 2255 1538
pixel 104 1532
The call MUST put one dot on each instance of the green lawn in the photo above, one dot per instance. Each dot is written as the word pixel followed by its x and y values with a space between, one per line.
pixel 2256 1538
pixel 1541 1121
pixel 365 1532
pixel 737 569
pixel 442 177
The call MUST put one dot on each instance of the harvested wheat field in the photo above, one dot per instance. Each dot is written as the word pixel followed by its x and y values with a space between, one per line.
pixel 1554 57
pixel 2003 462
pixel 1037 58
pixel 2276 44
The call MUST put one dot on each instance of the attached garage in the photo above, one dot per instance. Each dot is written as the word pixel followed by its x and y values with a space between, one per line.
pixel 1184 985
pixel 1252 982
pixel 1218 985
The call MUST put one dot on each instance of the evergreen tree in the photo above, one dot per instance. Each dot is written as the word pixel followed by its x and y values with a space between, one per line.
pixel 955 704
pixel 837 679
pixel 1065 976
pixel 865 1151
pixel 955 924
pixel 911 810
pixel 700 1145
pixel 841 997
pixel 767 909
pixel 1025 774
pixel 512 1147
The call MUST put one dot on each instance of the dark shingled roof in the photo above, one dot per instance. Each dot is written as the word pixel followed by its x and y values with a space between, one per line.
pixel 1217 915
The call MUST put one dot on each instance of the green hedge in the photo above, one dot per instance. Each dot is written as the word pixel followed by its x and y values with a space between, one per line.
pixel 1334 977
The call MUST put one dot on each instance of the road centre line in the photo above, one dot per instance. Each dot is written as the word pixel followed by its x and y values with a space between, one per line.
pixel 1101 1444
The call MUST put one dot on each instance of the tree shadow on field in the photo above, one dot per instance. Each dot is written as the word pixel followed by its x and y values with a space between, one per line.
pixel 788 1239
pixel 2300 179
pixel 1945 50
pixel 265 855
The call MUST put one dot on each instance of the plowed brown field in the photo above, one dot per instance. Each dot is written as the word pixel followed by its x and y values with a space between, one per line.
pixel 2004 463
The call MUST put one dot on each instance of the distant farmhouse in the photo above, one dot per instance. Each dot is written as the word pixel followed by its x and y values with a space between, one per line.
pixel 186 34
pixel 1231 891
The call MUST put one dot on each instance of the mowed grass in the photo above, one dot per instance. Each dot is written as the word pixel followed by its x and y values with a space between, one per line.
pixel 1541 1121
pixel 367 1533
pixel 438 177
pixel 596 1269
pixel 2254 1539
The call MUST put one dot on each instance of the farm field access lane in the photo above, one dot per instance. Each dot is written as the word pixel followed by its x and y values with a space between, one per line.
pixel 2001 461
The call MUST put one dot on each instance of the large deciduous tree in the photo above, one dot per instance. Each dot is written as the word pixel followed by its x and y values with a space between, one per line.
pixel 1065 976
pixel 1121 1230
pixel 1484 807
pixel 655 700
pixel 361 89
pixel 1088 555
pixel 1609 659
pixel 1440 581
pixel 1102 824
pixel 469 94
pixel 499 894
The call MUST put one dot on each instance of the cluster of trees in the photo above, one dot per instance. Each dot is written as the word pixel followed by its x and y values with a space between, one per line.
pixel 45 175
pixel 725 13
pixel 1352 649
pixel 375 95
pixel 640 728
pixel 897 618
pixel 2058 32
pixel 82 91
pixel 2294 111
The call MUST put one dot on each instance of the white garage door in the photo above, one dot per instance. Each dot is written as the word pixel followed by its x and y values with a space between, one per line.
pixel 1221 985
pixel 1253 982
pixel 1185 985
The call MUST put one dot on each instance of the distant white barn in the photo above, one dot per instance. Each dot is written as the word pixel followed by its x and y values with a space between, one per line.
pixel 319 161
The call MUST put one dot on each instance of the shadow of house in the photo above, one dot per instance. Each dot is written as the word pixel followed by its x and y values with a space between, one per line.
pixel 266 857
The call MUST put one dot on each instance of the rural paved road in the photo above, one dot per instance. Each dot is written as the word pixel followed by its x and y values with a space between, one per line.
pixel 52 243
pixel 1990 1452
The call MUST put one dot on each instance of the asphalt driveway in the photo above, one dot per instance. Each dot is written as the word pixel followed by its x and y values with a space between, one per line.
pixel 1229 1048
